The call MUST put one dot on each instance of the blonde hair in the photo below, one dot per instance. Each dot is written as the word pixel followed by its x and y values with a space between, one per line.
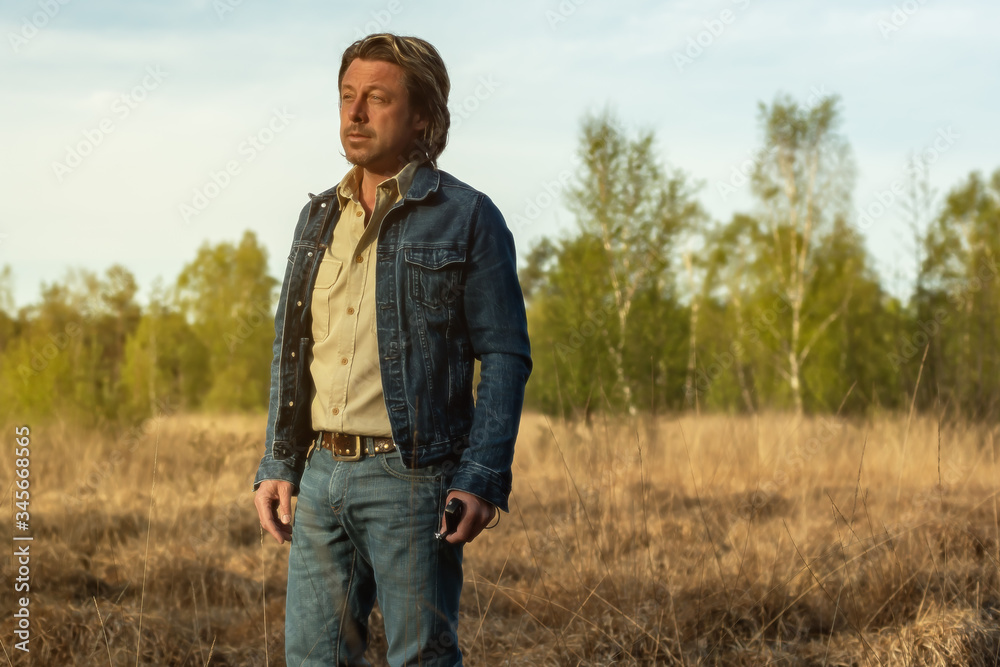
pixel 425 78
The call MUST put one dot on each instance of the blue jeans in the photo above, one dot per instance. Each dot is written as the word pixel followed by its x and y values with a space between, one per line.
pixel 364 530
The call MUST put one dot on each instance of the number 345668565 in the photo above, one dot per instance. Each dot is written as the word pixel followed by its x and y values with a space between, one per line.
pixel 22 461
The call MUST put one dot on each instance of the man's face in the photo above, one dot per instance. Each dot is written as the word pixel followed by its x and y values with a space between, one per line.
pixel 377 126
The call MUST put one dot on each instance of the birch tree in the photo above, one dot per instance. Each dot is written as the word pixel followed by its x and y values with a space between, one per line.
pixel 803 183
pixel 636 208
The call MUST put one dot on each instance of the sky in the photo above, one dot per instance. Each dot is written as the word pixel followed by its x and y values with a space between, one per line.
pixel 134 132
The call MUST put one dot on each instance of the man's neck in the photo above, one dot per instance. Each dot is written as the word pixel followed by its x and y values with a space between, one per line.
pixel 368 188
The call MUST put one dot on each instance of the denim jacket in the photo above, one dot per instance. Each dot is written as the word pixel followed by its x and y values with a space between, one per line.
pixel 446 293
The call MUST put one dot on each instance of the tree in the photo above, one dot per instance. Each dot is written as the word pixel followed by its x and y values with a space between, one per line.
pixel 166 365
pixel 67 355
pixel 958 304
pixel 635 208
pixel 227 296
pixel 803 182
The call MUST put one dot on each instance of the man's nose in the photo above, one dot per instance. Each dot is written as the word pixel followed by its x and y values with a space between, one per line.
pixel 356 111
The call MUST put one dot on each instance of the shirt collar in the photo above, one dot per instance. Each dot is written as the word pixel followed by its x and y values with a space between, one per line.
pixel 399 184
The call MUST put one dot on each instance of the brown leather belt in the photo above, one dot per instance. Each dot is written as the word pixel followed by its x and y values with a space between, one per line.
pixel 346 447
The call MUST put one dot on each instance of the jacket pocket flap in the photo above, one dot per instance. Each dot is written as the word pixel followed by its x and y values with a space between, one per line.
pixel 433 257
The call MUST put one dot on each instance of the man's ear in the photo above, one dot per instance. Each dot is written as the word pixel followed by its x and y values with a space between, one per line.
pixel 419 122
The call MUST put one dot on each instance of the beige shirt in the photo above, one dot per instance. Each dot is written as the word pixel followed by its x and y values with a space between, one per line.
pixel 345 363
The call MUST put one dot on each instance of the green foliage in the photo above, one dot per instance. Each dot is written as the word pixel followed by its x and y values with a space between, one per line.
pixel 568 318
pixel 782 307
pixel 166 365
pixel 226 296
pixel 66 359
pixel 88 353
pixel 605 325
pixel 957 308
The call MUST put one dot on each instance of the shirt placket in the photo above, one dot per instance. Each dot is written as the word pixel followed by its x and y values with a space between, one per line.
pixel 346 329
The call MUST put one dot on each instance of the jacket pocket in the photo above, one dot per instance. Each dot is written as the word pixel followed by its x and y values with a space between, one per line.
pixel 435 274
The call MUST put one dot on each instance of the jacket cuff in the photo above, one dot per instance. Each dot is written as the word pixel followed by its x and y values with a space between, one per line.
pixel 482 482
pixel 287 470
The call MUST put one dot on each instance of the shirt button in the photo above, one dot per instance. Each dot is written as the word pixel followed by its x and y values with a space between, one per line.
pixel 350 310
pixel 359 213
pixel 359 259
pixel 335 411
pixel 343 362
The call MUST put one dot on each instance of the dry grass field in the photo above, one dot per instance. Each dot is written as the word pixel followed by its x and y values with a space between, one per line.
pixel 706 540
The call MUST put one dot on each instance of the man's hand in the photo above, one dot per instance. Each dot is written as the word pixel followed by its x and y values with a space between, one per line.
pixel 273 501
pixel 477 515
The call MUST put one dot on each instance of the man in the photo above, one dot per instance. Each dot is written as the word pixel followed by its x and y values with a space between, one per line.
pixel 398 279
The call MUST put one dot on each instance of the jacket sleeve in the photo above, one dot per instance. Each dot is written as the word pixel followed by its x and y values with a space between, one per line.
pixel 280 461
pixel 498 330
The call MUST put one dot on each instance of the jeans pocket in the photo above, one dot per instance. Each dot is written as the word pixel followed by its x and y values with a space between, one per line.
pixel 393 464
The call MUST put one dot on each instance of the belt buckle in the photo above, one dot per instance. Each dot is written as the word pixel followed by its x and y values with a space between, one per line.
pixel 347 456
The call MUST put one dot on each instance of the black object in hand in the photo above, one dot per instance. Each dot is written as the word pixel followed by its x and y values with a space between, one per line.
pixel 452 516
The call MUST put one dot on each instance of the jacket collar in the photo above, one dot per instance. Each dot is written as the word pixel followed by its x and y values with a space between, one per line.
pixel 426 180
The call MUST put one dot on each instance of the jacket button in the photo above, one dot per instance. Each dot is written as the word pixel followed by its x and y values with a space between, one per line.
pixel 298 303
pixel 309 254
pixel 293 355
pixel 323 205
pixel 291 403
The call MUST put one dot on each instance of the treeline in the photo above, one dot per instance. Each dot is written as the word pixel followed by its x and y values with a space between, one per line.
pixel 87 352
pixel 647 306
pixel 650 306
